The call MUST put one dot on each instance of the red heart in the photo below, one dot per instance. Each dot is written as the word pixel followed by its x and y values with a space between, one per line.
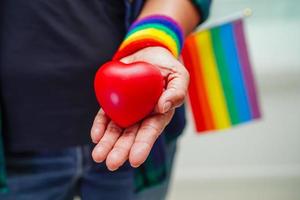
pixel 128 92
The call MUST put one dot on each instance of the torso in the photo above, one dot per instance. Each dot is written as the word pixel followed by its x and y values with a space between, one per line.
pixel 50 51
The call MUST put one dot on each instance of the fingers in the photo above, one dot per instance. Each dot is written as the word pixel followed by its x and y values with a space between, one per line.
pixel 174 95
pixel 134 144
pixel 149 130
pixel 106 143
pixel 119 153
pixel 99 125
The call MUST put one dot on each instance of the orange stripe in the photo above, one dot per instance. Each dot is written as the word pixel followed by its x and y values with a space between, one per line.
pixel 154 34
pixel 200 84
pixel 198 113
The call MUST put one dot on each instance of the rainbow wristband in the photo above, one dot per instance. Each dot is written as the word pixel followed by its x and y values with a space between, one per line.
pixel 154 30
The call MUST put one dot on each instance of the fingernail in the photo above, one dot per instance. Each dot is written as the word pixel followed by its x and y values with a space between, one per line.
pixel 95 132
pixel 134 166
pixel 167 106
pixel 95 155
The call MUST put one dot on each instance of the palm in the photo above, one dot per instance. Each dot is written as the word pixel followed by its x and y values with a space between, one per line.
pixel 116 145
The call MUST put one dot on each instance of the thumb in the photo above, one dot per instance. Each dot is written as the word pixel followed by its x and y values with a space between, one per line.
pixel 175 92
pixel 127 59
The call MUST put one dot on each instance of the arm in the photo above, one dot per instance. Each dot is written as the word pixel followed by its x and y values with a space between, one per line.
pixel 134 143
pixel 182 11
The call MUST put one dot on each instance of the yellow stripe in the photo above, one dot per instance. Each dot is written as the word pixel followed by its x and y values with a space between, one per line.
pixel 156 34
pixel 212 81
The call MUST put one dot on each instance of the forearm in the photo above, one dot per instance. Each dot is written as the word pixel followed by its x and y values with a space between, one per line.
pixel 182 11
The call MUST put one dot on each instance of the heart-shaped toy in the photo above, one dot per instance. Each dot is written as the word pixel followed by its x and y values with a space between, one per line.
pixel 128 92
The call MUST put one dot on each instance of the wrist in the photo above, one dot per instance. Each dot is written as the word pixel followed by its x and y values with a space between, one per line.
pixel 150 31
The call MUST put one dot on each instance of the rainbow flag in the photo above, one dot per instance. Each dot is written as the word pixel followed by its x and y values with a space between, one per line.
pixel 222 88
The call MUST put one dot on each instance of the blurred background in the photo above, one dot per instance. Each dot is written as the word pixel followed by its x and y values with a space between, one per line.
pixel 260 160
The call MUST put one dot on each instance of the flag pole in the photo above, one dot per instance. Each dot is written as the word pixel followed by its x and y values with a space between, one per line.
pixel 247 12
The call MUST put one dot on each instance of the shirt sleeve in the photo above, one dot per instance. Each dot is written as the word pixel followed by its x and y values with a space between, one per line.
pixel 203 7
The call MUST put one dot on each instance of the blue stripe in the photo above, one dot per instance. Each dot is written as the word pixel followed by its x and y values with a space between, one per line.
pixel 156 19
pixel 235 73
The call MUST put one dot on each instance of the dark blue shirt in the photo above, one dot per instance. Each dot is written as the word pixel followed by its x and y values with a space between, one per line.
pixel 49 53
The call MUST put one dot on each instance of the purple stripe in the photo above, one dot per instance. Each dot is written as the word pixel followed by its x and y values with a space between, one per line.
pixel 168 21
pixel 246 68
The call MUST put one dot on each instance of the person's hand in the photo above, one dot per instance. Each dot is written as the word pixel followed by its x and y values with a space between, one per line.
pixel 117 145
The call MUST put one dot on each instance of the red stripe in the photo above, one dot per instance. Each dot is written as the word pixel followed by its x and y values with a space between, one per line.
pixel 136 46
pixel 202 92
pixel 197 86
pixel 194 99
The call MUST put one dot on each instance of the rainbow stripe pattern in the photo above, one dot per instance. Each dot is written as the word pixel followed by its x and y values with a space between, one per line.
pixel 222 89
pixel 154 30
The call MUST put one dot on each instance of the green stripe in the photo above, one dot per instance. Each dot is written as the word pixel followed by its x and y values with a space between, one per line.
pixel 153 176
pixel 159 27
pixel 138 180
pixel 2 163
pixel 223 71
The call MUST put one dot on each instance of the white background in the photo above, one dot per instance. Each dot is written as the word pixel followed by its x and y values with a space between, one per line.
pixel 260 160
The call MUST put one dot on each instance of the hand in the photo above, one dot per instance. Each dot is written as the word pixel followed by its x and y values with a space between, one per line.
pixel 117 145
